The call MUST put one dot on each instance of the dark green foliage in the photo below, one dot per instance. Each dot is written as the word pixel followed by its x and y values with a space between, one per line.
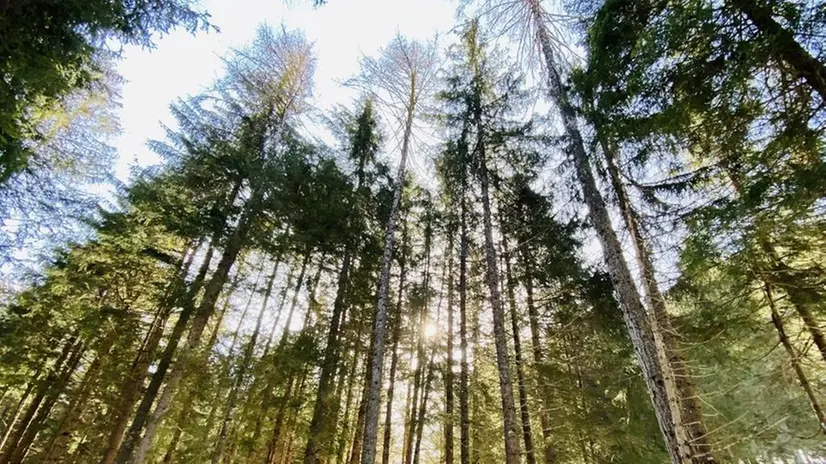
pixel 48 49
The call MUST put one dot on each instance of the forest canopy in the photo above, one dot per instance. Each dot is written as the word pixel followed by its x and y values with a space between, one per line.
pixel 589 232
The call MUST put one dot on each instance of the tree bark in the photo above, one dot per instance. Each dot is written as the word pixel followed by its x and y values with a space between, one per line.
pixel 513 449
pixel 267 398
pixel 418 379
pixel 464 409
pixel 371 417
pixel 59 441
pixel 18 453
pixel 538 358
pixel 397 330
pixel 320 431
pixel 344 435
pixel 18 409
pixel 644 333
pixel 43 389
pixel 690 403
pixel 358 433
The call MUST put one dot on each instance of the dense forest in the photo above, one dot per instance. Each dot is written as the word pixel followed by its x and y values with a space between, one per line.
pixel 588 232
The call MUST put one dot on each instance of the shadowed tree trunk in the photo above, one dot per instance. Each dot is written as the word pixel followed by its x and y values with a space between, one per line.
pixel 777 321
pixel 240 376
pixel 448 372
pixel 464 406
pixel 121 452
pixel 397 330
pixel 19 408
pixel 44 387
pixel 538 358
pixel 527 433
pixel 17 453
pixel 320 431
pixel 205 310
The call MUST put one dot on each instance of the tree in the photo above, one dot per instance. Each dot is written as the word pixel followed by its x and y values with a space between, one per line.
pixel 401 79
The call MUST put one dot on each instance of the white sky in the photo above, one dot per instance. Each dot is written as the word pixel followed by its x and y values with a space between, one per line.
pixel 183 64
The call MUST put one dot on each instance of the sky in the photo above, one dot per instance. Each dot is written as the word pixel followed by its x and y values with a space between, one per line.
pixel 183 64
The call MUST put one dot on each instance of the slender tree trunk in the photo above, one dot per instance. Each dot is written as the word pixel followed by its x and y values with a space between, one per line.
pixel 55 390
pixel 205 310
pixel 464 410
pixel 783 44
pixel 642 329
pixel 448 373
pixel 371 418
pixel 538 358
pixel 18 409
pixel 777 321
pixel 421 366
pixel 320 431
pixel 121 452
pixel 344 435
pixel 575 370
pixel 240 376
pixel 512 447
pixel 59 441
pixel 397 330
pixel 358 432
pixel 267 394
pixel 299 282
pixel 691 405
pixel 524 411
pixel 802 297
pixel 43 389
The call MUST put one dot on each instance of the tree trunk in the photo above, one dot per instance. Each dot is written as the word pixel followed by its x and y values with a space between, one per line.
pixel 691 405
pixel 18 409
pixel 418 379
pixel 524 411
pixel 121 452
pixel 267 397
pixel 512 447
pixel 371 417
pixel 802 298
pixel 397 330
pixel 448 373
pixel 777 321
pixel 59 441
pixel 43 389
pixel 240 376
pixel 358 432
pixel 642 329
pixel 299 282
pixel 205 310
pixel 538 359
pixel 464 410
pixel 320 431
pixel 783 44
pixel 344 435
pixel 56 389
